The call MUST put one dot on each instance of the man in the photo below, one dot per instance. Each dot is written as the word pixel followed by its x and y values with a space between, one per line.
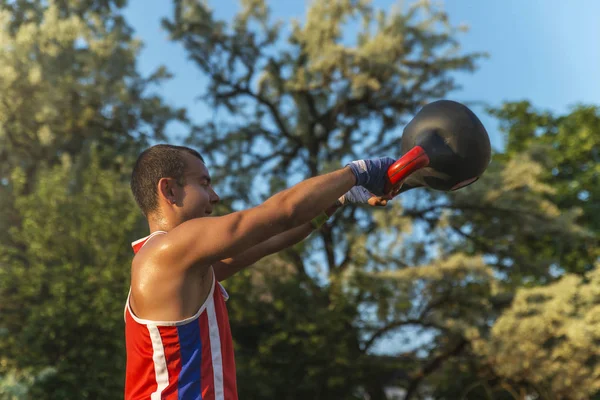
pixel 179 343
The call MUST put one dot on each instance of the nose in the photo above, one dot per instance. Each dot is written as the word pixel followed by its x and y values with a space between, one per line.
pixel 214 197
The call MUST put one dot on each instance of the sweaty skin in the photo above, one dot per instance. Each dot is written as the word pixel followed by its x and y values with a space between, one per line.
pixel 171 276
pixel 178 338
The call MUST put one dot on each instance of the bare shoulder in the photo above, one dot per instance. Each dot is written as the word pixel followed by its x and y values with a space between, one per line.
pixel 148 264
pixel 160 289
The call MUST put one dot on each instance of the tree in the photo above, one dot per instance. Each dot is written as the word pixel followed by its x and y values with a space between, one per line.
pixel 521 353
pixel 525 350
pixel 546 342
pixel 73 279
pixel 568 150
pixel 74 113
pixel 295 103
pixel 71 72
pixel 69 80
pixel 294 107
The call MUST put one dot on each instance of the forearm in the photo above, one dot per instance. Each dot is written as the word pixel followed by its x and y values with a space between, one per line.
pixel 230 266
pixel 294 235
pixel 286 239
pixel 308 198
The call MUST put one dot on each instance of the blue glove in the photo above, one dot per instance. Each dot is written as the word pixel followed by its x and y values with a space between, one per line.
pixel 356 195
pixel 371 174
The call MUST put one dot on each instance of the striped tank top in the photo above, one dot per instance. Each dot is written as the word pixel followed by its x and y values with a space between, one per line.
pixel 191 359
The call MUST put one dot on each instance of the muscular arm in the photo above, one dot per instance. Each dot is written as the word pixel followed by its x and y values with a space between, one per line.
pixel 230 266
pixel 201 242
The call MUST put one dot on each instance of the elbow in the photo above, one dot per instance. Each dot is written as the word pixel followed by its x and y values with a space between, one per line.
pixel 290 216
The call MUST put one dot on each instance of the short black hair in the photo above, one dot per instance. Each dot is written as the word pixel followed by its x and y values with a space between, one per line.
pixel 154 163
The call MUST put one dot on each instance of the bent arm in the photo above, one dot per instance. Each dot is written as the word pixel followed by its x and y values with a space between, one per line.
pixel 205 241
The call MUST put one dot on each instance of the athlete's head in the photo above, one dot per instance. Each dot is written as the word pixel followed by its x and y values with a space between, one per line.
pixel 172 184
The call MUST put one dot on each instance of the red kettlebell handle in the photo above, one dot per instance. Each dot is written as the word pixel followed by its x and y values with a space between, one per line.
pixel 413 160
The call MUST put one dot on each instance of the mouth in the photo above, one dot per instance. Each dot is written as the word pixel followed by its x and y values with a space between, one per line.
pixel 208 212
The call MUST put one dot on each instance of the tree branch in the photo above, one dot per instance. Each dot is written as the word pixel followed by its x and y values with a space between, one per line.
pixel 397 324
pixel 432 366
pixel 374 256
pixel 328 244
pixel 411 321
pixel 421 212
pixel 347 258
pixel 240 90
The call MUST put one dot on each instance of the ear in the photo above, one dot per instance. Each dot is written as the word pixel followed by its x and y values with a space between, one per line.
pixel 167 190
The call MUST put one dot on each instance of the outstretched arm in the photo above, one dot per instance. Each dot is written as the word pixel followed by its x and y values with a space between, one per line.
pixel 228 267
pixel 237 232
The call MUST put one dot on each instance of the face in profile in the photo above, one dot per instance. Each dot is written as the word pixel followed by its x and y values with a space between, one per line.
pixel 198 196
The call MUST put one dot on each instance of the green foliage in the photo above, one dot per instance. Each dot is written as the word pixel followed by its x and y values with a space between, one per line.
pixel 287 330
pixel 74 113
pixel 69 79
pixel 290 104
pixel 548 339
pixel 545 343
pixel 511 215
pixel 547 192
pixel 70 267
pixel 16 385
pixel 568 149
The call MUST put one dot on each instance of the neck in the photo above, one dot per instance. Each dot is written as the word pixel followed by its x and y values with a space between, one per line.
pixel 160 224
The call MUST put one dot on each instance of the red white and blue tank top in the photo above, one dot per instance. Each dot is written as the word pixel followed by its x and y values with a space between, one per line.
pixel 190 359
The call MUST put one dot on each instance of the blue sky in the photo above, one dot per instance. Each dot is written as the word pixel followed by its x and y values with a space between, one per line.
pixel 542 50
